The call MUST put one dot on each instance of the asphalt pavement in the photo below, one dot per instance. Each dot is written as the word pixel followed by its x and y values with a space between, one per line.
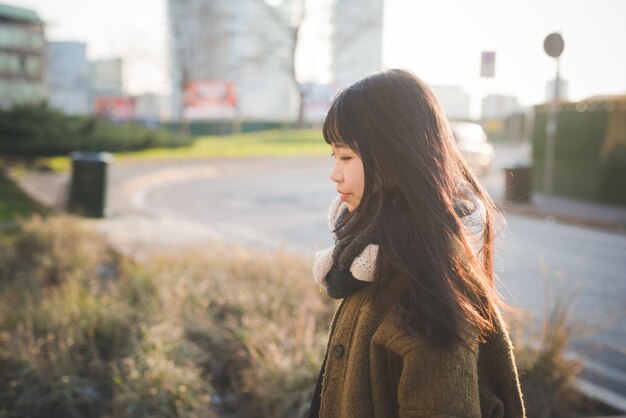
pixel 136 226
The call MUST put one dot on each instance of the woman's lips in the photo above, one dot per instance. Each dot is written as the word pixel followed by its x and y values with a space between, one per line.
pixel 343 196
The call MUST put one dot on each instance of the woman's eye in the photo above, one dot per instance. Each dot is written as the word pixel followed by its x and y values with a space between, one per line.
pixel 342 157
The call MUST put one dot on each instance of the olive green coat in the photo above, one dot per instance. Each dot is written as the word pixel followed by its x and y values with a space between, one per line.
pixel 375 369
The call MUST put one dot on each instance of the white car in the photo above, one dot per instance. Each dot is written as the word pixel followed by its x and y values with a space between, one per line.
pixel 473 143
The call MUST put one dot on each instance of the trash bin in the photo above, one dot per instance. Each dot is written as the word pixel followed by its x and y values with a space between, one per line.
pixel 88 185
pixel 517 183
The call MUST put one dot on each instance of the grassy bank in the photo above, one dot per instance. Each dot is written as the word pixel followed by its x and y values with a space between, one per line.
pixel 13 202
pixel 85 332
pixel 261 143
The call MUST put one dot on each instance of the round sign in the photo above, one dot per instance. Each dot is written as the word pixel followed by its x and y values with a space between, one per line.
pixel 553 45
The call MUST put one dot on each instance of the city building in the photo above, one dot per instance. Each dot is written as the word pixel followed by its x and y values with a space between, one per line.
pixel 317 99
pixel 357 40
pixel 248 45
pixel 106 90
pixel 22 55
pixel 241 47
pixel 67 77
pixel 455 101
pixel 105 78
pixel 499 106
pixel 78 86
pixel 151 108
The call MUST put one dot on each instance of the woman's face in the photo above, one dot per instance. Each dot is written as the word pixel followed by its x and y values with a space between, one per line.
pixel 348 175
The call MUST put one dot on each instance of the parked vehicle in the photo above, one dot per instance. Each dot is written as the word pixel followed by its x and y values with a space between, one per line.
pixel 473 143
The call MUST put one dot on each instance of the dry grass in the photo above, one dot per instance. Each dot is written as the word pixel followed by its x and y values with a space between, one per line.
pixel 80 338
pixel 87 333
pixel 547 376
pixel 258 320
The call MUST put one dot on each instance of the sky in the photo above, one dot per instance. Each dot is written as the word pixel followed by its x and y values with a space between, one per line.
pixel 440 40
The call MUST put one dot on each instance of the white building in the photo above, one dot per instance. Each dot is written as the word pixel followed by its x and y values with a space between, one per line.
pixel 151 108
pixel 455 101
pixel 357 40
pixel 105 81
pixel 317 99
pixel 499 106
pixel 67 77
pixel 246 42
pixel 105 77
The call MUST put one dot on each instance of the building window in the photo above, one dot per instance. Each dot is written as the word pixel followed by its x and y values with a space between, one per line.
pixel 5 36
pixel 32 66
pixel 36 40
pixel 17 37
pixel 5 88
pixel 19 91
pixel 9 63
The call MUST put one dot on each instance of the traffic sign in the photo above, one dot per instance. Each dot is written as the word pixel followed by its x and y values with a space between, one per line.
pixel 554 45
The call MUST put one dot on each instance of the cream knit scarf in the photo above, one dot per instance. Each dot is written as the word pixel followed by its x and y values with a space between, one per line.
pixel 351 262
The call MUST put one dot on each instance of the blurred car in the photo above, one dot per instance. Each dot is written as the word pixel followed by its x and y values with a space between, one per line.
pixel 474 145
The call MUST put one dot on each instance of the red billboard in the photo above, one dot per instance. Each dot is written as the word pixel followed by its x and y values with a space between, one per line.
pixel 117 109
pixel 210 100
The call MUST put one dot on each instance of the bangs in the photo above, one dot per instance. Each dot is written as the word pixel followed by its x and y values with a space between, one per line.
pixel 339 123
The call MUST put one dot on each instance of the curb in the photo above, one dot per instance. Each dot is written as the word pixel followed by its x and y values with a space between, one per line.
pixel 533 211
pixel 602 395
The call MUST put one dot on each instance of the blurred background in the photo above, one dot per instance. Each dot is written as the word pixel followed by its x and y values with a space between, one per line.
pixel 178 127
pixel 139 57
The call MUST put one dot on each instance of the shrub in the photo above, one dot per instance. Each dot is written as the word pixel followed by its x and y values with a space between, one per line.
pixel 590 150
pixel 37 130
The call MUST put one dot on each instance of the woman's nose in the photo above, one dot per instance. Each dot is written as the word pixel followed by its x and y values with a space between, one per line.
pixel 336 174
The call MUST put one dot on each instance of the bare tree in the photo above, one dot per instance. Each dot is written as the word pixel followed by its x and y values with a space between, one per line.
pixel 286 20
pixel 360 33
pixel 292 25
pixel 289 16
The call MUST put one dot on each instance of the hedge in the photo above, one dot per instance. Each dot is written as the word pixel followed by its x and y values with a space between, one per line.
pixel 590 150
pixel 37 130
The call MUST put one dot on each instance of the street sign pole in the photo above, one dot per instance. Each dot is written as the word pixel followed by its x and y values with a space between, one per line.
pixel 551 124
pixel 553 45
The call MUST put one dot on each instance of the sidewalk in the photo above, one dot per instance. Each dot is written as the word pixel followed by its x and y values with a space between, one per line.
pixel 570 211
pixel 134 232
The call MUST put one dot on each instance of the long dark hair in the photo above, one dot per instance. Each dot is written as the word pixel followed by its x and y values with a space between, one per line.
pixel 414 174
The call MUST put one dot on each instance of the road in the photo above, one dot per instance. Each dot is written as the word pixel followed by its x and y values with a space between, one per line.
pixel 274 203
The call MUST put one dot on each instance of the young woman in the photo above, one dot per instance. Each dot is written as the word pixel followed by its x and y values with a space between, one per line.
pixel 418 333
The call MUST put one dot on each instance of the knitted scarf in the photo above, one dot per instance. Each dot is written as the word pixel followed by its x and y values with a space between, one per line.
pixel 350 263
